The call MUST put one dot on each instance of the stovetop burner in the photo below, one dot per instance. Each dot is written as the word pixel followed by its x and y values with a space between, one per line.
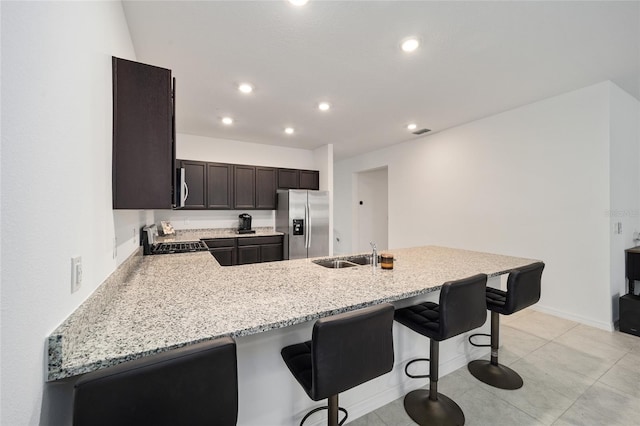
pixel 183 247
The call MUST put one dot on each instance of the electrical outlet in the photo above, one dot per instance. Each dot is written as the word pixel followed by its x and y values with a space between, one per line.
pixel 135 235
pixel 76 273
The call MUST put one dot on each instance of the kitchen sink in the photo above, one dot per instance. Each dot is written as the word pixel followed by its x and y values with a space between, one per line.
pixel 344 262
pixel 335 263
pixel 360 260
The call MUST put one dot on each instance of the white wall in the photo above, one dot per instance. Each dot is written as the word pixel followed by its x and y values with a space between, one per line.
pixel 531 182
pixel 323 157
pixel 191 147
pixel 624 133
pixel 371 217
pixel 56 181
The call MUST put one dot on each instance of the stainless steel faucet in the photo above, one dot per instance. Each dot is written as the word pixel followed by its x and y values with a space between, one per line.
pixel 374 255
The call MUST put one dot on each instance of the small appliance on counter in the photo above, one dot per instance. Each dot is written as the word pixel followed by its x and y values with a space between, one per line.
pixel 245 224
pixel 149 245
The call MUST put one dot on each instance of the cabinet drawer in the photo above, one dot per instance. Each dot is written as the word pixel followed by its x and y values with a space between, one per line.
pixel 251 241
pixel 220 242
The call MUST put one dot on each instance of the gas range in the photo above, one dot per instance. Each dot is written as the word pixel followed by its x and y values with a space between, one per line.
pixel 178 247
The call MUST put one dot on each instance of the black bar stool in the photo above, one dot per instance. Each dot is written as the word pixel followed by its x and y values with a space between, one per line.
pixel 523 289
pixel 193 385
pixel 462 308
pixel 345 351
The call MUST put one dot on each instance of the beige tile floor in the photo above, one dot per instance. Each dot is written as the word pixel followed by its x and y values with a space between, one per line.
pixel 573 375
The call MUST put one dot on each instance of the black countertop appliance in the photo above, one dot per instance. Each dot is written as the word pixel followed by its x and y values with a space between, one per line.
pixel 245 224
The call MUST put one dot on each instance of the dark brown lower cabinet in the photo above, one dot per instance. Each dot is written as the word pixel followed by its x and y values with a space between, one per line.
pixel 245 250
pixel 248 254
pixel 259 249
pixel 271 252
pixel 223 249
pixel 224 255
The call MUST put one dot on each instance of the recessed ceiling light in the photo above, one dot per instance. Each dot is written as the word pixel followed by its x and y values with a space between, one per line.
pixel 227 120
pixel 412 126
pixel 410 44
pixel 298 2
pixel 324 106
pixel 289 130
pixel 245 88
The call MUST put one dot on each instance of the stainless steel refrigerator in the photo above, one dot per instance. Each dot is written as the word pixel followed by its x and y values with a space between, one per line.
pixel 303 216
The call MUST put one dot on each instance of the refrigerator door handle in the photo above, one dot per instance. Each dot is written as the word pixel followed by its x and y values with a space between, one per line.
pixel 307 238
pixel 309 224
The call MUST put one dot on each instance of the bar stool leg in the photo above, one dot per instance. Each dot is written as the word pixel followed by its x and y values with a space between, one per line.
pixel 333 411
pixel 491 372
pixel 430 407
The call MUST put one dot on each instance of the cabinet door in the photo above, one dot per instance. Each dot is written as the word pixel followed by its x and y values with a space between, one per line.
pixel 143 157
pixel 309 179
pixel 244 182
pixel 248 254
pixel 219 186
pixel 265 188
pixel 195 176
pixel 226 256
pixel 270 252
pixel 288 179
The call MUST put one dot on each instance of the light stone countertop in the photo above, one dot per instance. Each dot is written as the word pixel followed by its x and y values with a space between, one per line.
pixel 156 303
pixel 198 234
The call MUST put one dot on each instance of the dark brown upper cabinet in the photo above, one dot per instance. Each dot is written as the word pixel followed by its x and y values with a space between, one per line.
pixel 266 186
pixel 254 187
pixel 143 165
pixel 219 186
pixel 298 179
pixel 195 176
pixel 309 179
pixel 244 183
pixel 209 185
pixel 288 179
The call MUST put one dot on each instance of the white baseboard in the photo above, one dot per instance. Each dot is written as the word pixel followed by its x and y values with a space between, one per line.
pixel 608 326
pixel 392 393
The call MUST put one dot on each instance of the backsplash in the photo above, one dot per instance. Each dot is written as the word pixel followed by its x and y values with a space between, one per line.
pixel 213 219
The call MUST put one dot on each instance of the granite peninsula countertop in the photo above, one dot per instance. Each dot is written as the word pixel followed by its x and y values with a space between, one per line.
pixel 155 303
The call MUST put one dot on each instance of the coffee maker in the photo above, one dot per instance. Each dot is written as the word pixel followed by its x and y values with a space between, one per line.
pixel 245 224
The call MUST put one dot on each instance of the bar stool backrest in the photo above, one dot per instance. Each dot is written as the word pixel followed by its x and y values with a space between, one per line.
pixel 463 306
pixel 351 348
pixel 523 287
pixel 196 384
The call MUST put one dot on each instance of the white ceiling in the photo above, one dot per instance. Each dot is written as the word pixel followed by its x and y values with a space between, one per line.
pixel 476 59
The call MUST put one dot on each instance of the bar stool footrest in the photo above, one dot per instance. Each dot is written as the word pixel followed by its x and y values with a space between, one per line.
pixel 496 375
pixel 478 344
pixel 442 411
pixel 420 376
pixel 315 410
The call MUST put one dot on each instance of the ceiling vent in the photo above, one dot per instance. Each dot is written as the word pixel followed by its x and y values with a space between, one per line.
pixel 421 131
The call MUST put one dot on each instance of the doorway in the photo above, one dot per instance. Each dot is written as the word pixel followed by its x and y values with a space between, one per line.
pixel 372 209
